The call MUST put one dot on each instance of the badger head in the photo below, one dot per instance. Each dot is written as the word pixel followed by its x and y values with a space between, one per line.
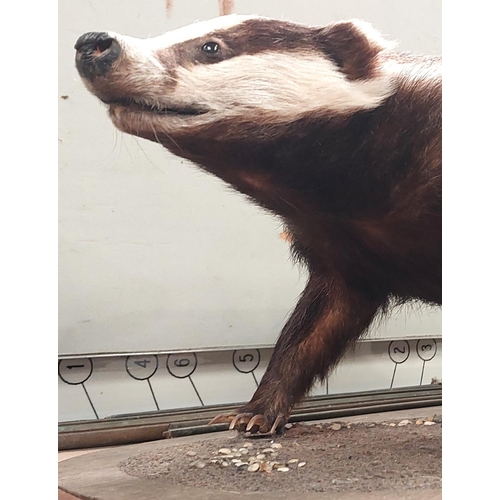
pixel 233 76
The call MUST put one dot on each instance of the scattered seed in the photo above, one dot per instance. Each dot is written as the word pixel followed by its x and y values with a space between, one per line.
pixel 429 423
pixel 243 451
pixel 253 467
pixel 224 451
pixel 404 422
pixel 247 444
pixel 288 426
pixel 392 424
pixel 191 453
pixel 276 445
pixel 419 422
pixel 268 450
pixel 293 461
pixel 198 464
pixel 301 464
pixel 266 467
pixel 282 469
pixel 260 456
pixel 336 427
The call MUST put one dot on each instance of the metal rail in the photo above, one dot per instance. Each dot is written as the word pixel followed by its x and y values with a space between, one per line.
pixel 135 428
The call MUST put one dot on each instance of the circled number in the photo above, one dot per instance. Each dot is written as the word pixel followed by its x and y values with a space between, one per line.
pixel 182 365
pixel 399 350
pixel 246 360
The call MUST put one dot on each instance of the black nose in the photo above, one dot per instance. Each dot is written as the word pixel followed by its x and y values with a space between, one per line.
pixel 95 54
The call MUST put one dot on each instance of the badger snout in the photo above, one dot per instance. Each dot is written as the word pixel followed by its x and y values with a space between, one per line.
pixel 95 54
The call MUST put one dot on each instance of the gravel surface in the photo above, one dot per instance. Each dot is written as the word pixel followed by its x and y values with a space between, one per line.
pixel 333 456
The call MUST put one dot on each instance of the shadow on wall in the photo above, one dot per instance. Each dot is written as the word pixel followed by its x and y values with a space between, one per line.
pixel 225 7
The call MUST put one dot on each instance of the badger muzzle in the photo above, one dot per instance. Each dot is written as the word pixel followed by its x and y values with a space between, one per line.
pixel 95 54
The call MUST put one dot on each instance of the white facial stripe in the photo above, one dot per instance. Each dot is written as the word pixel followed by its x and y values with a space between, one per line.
pixel 279 84
pixel 190 32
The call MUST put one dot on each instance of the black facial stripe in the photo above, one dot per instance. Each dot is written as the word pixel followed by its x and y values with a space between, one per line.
pixel 258 35
pixel 250 37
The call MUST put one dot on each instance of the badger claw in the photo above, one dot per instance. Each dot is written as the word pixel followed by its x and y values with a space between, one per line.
pixel 235 421
pixel 239 421
pixel 223 418
pixel 260 422
pixel 248 422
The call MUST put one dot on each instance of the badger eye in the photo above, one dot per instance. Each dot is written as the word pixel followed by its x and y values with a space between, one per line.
pixel 211 48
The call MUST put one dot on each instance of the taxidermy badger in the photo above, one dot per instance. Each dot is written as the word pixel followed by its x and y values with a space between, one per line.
pixel 327 127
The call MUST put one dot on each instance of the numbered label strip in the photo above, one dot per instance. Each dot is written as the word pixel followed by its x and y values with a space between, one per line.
pixel 95 388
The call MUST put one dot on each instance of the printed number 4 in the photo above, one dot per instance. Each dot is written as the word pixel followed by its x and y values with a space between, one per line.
pixel 142 363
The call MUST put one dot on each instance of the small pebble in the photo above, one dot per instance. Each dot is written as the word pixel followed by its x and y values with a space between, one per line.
pixel 288 426
pixel 225 464
pixel 429 423
pixel 191 453
pixel 247 444
pixel 253 467
pixel 276 445
pixel 404 422
pixel 336 427
pixel 419 422
pixel 430 419
pixel 293 461
pixel 301 464
pixel 268 450
pixel 224 451
pixel 282 469
pixel 244 451
pixel 392 424
pixel 260 456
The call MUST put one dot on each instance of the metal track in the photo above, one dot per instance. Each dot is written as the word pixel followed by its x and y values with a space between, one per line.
pixel 135 428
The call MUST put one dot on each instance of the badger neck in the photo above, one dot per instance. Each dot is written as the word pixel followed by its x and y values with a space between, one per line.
pixel 338 167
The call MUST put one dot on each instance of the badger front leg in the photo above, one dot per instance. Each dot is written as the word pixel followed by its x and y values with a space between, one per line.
pixel 328 318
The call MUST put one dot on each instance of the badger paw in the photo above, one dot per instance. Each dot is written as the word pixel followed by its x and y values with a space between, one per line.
pixel 248 422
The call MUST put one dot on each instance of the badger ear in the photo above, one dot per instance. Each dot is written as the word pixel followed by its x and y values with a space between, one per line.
pixel 353 46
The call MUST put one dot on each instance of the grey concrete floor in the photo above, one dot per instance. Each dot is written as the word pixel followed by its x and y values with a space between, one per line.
pixel 94 473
